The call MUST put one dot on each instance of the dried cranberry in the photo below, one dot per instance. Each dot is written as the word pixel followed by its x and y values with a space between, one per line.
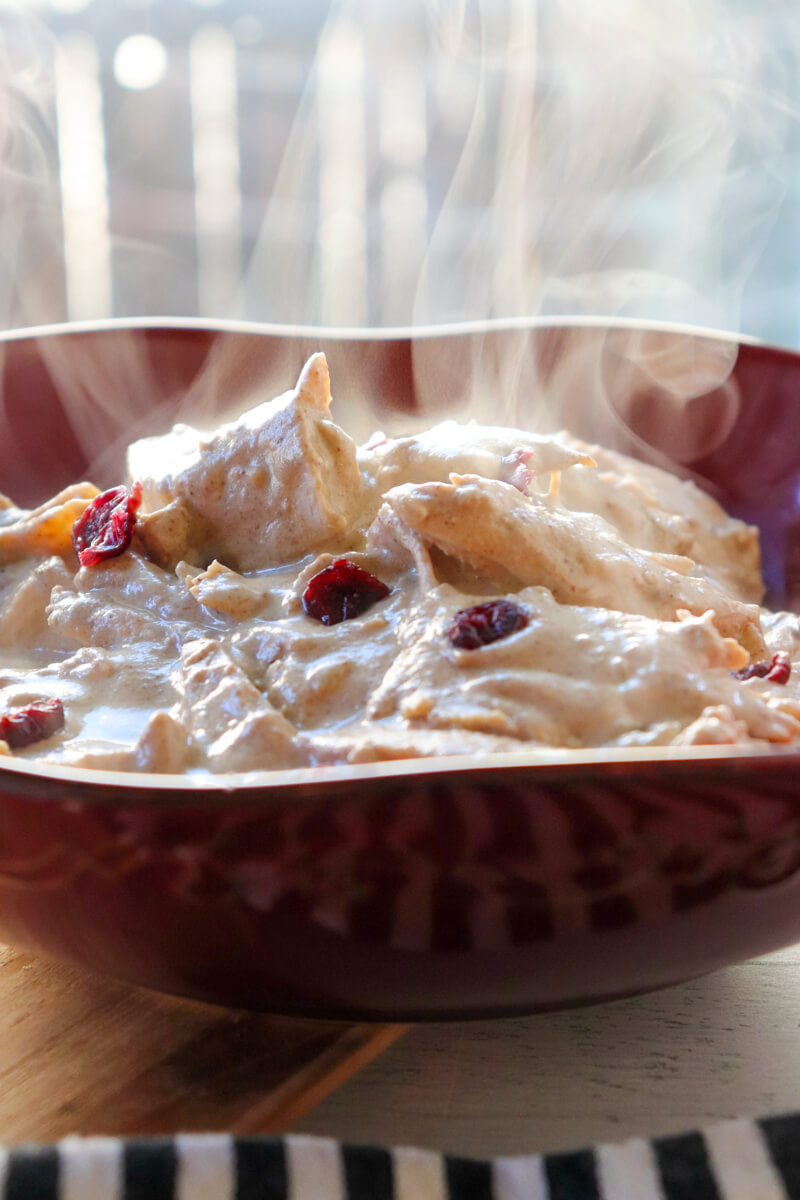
pixel 485 623
pixel 105 527
pixel 21 727
pixel 777 671
pixel 342 591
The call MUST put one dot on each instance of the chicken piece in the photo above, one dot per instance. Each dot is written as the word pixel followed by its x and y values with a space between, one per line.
pixel 579 557
pixel 227 716
pixel 24 609
pixel 717 725
pixel 571 677
pixel 45 530
pixel 163 748
pixel 125 601
pixel 494 453
pixel 379 742
pixel 166 535
pixel 655 510
pixel 782 632
pixel 266 489
pixel 225 591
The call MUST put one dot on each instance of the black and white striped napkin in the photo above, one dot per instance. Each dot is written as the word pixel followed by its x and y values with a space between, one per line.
pixel 734 1160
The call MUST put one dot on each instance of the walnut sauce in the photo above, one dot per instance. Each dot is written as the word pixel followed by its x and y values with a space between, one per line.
pixel 191 651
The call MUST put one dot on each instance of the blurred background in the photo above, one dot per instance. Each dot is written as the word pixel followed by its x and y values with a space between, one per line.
pixel 385 164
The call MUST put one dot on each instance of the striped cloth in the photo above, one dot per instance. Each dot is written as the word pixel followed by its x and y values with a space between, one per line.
pixel 735 1160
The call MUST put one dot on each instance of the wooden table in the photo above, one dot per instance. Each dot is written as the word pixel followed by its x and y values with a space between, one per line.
pixel 83 1054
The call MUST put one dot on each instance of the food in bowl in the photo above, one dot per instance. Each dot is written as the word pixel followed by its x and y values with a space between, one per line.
pixel 268 595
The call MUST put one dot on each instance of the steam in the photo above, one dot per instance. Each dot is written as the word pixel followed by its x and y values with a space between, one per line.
pixel 449 161
pixel 639 163
pixel 572 158
pixel 31 272
pixel 622 160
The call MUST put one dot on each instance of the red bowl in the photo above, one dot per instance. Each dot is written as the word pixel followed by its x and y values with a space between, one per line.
pixel 430 889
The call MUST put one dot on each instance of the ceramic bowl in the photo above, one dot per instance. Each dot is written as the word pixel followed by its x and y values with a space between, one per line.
pixel 431 889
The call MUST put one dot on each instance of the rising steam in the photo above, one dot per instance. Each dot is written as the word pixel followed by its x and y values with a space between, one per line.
pixel 462 161
pixel 563 159
pixel 569 158
pixel 636 157
pixel 31 260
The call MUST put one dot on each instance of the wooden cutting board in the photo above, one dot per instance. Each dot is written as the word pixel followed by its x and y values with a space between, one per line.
pixel 88 1055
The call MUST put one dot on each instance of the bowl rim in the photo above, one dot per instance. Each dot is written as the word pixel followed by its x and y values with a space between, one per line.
pixel 24 775
pixel 537 765
pixel 381 333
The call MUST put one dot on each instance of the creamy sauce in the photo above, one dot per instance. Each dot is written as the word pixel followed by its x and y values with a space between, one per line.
pixel 192 649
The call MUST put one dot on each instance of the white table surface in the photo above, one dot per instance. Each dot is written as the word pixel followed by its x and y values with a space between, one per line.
pixel 722 1046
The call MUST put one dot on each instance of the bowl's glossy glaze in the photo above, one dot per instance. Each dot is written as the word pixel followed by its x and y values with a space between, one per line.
pixel 422 890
